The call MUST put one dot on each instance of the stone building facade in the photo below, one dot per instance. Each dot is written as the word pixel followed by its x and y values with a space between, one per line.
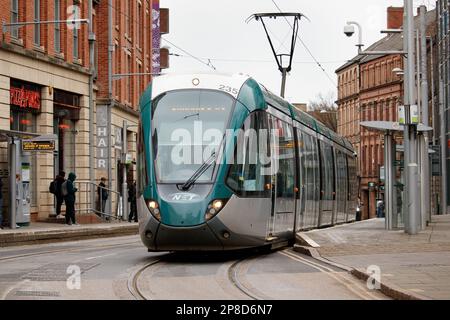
pixel 44 87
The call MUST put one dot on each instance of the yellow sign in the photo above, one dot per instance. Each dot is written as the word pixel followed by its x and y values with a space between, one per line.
pixel 38 145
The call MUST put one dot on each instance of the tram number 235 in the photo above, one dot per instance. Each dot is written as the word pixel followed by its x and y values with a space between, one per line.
pixel 229 89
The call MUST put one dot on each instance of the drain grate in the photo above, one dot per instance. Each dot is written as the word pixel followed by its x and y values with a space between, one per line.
pixel 34 293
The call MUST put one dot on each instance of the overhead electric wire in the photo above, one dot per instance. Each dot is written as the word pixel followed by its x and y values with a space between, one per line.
pixel 307 49
pixel 209 64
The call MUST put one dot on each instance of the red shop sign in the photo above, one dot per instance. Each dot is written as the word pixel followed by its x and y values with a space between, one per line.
pixel 25 98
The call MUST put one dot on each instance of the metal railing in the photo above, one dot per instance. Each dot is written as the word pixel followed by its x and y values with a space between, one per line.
pixel 85 203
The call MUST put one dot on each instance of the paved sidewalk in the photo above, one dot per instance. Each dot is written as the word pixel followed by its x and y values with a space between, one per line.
pixel 412 267
pixel 38 233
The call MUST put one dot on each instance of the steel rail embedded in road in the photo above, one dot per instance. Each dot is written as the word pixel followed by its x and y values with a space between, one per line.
pixel 333 274
pixel 133 285
pixel 233 276
pixel 65 250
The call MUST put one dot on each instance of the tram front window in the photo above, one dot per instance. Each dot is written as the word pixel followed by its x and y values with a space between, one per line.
pixel 188 126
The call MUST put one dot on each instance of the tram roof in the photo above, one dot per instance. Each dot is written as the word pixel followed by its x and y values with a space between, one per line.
pixel 214 80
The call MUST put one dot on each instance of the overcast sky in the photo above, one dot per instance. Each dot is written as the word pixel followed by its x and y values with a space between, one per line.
pixel 216 30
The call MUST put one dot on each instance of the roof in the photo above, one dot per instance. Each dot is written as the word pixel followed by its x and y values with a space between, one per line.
pixel 390 42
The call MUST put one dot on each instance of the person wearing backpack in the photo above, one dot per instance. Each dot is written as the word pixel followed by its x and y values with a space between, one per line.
pixel 56 189
pixel 68 190
pixel 102 195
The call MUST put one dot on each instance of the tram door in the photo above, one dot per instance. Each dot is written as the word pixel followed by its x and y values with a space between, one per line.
pixel 283 177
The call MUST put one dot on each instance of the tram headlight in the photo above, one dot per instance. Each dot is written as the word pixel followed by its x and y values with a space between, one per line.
pixel 214 208
pixel 153 206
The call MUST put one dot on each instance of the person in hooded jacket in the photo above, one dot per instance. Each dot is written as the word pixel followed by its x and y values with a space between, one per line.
pixel 69 198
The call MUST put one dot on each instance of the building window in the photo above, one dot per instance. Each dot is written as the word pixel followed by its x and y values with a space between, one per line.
pixel 139 80
pixel 36 20
pixel 129 92
pixel 138 26
pixel 128 18
pixel 75 44
pixel 15 18
pixel 57 26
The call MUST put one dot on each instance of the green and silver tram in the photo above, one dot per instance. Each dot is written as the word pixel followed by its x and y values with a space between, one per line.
pixel 225 164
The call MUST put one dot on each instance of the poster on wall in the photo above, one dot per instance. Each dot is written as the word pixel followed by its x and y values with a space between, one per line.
pixel 156 38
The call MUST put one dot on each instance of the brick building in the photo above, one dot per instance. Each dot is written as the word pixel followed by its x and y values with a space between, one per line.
pixel 51 63
pixel 369 90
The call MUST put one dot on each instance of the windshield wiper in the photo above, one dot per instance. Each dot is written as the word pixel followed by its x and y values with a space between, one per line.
pixel 200 171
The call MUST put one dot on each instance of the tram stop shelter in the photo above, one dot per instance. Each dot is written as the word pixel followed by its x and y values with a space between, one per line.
pixel 389 129
pixel 20 143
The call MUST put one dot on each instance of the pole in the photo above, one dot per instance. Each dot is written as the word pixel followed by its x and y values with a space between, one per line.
pixel 443 147
pixel 110 102
pixel 91 105
pixel 283 82
pixel 425 170
pixel 124 170
pixel 389 179
pixel 411 129
pixel 12 183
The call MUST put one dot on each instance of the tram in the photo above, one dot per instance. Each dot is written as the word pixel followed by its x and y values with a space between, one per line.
pixel 224 164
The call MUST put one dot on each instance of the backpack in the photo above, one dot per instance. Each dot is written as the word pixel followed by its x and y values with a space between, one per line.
pixel 64 191
pixel 52 187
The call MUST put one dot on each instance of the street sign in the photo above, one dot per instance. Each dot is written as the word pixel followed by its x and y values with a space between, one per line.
pixel 382 173
pixel 28 145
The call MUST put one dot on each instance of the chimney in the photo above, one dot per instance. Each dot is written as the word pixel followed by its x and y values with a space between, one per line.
pixel 394 17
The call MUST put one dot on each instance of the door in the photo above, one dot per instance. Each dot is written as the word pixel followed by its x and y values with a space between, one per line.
pixel 327 190
pixel 283 176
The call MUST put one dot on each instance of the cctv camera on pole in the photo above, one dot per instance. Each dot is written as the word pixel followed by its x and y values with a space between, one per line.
pixel 283 57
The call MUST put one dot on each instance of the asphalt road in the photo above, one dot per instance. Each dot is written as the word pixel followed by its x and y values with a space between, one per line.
pixel 121 268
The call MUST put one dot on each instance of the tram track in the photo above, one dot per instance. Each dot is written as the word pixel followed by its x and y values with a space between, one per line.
pixel 33 254
pixel 353 285
pixel 235 276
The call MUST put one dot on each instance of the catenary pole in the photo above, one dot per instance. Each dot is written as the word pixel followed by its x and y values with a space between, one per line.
pixel 412 203
pixel 425 170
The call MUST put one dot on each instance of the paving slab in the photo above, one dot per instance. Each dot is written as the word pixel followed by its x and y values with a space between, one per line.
pixel 411 267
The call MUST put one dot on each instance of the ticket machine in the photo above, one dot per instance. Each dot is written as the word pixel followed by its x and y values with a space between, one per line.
pixel 23 186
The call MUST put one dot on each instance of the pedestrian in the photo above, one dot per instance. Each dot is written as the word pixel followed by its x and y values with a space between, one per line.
pixel 102 194
pixel 1 204
pixel 59 180
pixel 358 210
pixel 132 200
pixel 68 191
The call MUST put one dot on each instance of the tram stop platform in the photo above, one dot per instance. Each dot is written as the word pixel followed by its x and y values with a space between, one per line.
pixel 40 233
pixel 410 267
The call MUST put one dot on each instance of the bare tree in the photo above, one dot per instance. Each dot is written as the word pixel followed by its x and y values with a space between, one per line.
pixel 324 109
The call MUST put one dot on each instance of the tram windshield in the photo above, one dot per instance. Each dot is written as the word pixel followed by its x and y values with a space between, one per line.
pixel 188 126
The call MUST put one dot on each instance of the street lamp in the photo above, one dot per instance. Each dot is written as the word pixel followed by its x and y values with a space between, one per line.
pixel 398 72
pixel 349 30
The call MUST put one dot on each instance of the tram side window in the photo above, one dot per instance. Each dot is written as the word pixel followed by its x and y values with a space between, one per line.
pixel 142 177
pixel 327 171
pixel 249 174
pixel 285 156
pixel 352 179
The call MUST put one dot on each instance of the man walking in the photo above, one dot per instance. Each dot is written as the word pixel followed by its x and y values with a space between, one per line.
pixel 68 190
pixel 132 200
pixel 60 179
